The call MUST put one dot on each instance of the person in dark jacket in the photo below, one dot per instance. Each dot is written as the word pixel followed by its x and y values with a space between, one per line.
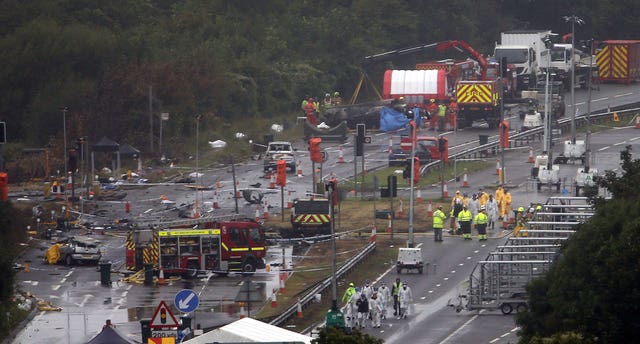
pixel 363 310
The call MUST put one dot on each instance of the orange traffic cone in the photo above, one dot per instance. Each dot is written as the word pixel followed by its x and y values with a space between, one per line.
pixel 283 278
pixel 289 200
pixel 299 312
pixel 272 182
pixel 161 276
pixel 400 213
pixel 374 234
pixel 419 197
pixel 390 145
pixel 265 211
pixel 465 181
pixel 445 192
pixel 389 228
pixel 531 161
pixel 26 267
pixel 299 172
pixel 243 313
pixel 218 185
pixel 429 209
pixel 497 167
pixel 258 214
pixel 274 300
pixel 215 200
pixel 237 190
pixel 637 121
pixel 340 155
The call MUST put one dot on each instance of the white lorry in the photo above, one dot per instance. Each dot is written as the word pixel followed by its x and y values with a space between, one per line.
pixel 523 49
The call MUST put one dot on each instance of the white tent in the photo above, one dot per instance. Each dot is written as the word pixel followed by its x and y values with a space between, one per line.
pixel 247 330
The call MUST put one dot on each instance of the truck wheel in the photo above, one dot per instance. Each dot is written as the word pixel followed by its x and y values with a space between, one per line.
pixel 248 266
pixel 68 260
pixel 522 307
pixel 506 308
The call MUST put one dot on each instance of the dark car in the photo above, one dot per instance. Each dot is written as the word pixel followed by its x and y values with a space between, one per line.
pixel 426 150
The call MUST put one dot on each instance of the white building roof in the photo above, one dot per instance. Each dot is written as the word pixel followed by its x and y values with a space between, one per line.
pixel 248 330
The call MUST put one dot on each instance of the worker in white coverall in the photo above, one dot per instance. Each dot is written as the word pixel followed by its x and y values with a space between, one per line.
pixel 350 311
pixel 384 297
pixel 406 297
pixel 375 309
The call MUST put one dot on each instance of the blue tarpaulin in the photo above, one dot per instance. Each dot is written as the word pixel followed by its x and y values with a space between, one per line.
pixel 391 119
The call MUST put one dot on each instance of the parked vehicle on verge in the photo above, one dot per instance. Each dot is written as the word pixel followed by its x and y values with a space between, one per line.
pixel 426 149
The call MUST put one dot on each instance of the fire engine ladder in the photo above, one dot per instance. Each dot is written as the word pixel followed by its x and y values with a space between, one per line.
pixel 185 222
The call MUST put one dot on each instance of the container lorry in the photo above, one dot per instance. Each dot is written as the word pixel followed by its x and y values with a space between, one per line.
pixel 523 49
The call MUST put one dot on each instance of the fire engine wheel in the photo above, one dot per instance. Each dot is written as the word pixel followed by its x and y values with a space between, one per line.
pixel 506 308
pixel 248 266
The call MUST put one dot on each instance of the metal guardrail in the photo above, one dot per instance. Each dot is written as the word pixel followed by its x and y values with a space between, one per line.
pixel 525 138
pixel 322 286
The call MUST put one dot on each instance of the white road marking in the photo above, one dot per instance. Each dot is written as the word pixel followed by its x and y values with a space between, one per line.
pixel 68 273
pixel 506 334
pixel 633 139
pixel 468 257
pixel 603 148
pixel 55 287
pixel 600 99
pixel 622 95
pixel 461 264
pixel 459 329
pixel 63 280
pixel 620 143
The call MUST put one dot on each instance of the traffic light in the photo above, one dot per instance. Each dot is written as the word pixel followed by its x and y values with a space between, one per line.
pixel 406 173
pixel 416 170
pixel 361 132
pixel 72 160
pixel 332 185
pixel 314 149
pixel 163 316
pixel 281 169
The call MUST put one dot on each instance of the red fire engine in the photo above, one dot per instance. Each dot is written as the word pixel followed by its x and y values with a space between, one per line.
pixel 220 247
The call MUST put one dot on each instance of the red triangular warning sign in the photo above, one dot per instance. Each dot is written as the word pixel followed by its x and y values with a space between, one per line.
pixel 163 317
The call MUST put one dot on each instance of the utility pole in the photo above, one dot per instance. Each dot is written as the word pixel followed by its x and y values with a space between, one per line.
pixel 151 117
pixel 588 117
pixel 574 20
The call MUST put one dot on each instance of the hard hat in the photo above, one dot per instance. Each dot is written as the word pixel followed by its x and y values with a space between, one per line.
pixel 404 283
pixel 336 94
pixel 327 95
pixel 401 98
pixel 457 191
pixel 538 207
pixel 432 100
pixel 351 284
pixel 483 207
pixel 439 206
pixel 521 209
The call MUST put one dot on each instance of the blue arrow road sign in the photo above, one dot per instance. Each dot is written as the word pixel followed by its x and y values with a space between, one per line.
pixel 186 300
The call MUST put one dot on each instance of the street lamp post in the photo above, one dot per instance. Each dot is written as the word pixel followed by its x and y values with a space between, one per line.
pixel 574 20
pixel 196 212
pixel 588 136
pixel 64 137
pixel 412 124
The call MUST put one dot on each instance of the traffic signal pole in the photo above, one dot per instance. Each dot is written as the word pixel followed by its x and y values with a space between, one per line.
pixel 412 123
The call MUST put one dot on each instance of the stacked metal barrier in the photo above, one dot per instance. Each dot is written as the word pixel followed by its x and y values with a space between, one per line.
pixel 499 281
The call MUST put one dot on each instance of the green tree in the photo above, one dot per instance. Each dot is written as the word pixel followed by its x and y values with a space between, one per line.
pixel 592 289
pixel 333 335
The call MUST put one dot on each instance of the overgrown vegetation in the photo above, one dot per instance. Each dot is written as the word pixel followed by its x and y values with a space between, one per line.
pixel 240 65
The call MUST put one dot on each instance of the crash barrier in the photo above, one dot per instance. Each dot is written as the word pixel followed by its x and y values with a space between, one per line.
pixel 524 139
pixel 322 286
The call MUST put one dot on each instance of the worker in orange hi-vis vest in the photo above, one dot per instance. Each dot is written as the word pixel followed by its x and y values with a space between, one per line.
pixel 452 112
pixel 506 204
pixel 499 196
